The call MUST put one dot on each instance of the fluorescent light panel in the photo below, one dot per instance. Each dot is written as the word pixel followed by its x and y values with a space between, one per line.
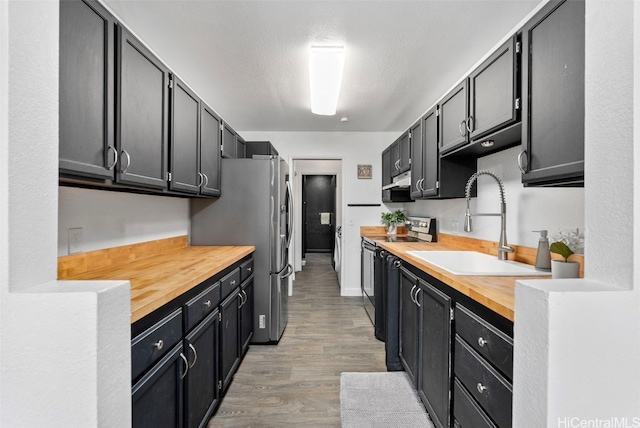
pixel 325 75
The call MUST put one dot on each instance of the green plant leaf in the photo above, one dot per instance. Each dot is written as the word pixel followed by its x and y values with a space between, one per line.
pixel 562 249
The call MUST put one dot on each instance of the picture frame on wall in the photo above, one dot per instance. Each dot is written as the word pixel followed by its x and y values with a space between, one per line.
pixel 364 171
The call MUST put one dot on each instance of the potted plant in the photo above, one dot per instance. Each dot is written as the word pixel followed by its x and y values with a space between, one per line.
pixel 566 244
pixel 391 220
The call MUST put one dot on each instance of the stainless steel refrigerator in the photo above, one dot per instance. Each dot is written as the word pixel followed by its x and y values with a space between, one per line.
pixel 255 208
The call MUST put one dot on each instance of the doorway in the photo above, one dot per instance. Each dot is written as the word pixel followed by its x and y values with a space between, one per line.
pixel 318 213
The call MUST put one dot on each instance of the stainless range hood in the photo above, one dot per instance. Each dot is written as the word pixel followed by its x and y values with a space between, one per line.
pixel 400 181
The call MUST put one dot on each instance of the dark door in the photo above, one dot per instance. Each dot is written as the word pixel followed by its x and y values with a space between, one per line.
pixel 229 337
pixel 430 161
pixel 404 151
pixel 318 213
pixel 185 138
pixel 416 160
pixel 143 101
pixel 453 118
pixel 228 142
pixel 87 145
pixel 409 323
pixel 210 141
pixel 246 315
pixel 434 381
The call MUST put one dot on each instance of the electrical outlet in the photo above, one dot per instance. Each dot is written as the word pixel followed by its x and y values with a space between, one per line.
pixel 262 321
pixel 75 240
pixel 454 226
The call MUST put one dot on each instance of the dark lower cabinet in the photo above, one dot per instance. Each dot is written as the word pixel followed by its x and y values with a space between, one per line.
pixel 201 381
pixel 553 95
pixel 409 323
pixel 87 65
pixel 229 337
pixel 157 396
pixel 142 112
pixel 246 316
pixel 434 376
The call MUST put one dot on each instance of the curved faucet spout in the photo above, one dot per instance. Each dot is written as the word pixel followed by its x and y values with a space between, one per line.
pixel 503 248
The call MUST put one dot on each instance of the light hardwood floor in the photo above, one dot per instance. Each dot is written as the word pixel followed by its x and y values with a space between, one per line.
pixel 297 382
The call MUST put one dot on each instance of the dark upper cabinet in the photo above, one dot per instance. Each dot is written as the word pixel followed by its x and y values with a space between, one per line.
pixel 553 95
pixel 210 142
pixel 228 142
pixel 142 114
pixel 240 147
pixel 454 118
pixel 185 138
pixel 259 148
pixel 417 171
pixel 386 167
pixel 434 380
pixel 401 155
pixel 430 155
pixel 87 145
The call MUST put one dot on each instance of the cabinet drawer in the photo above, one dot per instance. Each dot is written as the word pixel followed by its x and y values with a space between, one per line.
pixel 202 305
pixel 466 411
pixel 153 343
pixel 484 383
pixel 246 270
pixel 230 282
pixel 487 340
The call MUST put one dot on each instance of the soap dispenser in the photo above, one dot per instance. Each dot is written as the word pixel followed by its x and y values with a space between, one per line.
pixel 543 256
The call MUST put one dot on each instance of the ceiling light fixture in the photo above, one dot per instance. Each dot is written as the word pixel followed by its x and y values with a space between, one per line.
pixel 325 75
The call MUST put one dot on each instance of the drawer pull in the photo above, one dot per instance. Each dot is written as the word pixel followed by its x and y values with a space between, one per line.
pixel 233 282
pixel 159 344
pixel 186 365
pixel 481 388
pixel 482 342
pixel 249 269
pixel 207 303
pixel 195 355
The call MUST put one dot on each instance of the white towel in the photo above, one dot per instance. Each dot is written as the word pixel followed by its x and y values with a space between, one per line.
pixel 325 218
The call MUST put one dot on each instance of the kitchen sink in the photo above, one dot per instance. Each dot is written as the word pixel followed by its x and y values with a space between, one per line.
pixel 475 263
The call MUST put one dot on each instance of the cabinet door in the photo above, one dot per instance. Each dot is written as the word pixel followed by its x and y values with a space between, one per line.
pixel 409 324
pixel 185 138
pixel 240 148
pixel 201 381
pixel 229 337
pixel 210 142
pixel 228 142
pixel 87 145
pixel 553 94
pixel 404 152
pixel 142 128
pixel 430 160
pixel 246 316
pixel 453 118
pixel 493 91
pixel 395 158
pixel 157 397
pixel 386 167
pixel 416 160
pixel 434 380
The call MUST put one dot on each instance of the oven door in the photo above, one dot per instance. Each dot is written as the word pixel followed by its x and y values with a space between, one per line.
pixel 367 278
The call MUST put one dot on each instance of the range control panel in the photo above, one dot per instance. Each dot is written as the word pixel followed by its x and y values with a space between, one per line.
pixel 423 228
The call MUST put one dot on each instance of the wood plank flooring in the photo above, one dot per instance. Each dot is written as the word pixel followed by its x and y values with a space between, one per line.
pixel 297 382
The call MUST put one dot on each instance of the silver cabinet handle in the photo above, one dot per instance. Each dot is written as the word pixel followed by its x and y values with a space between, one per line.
pixel 422 184
pixel 397 263
pixel 383 254
pixel 411 293
pixel 124 170
pixel 418 303
pixel 241 304
pixel 249 269
pixel 246 298
pixel 482 342
pixel 186 365
pixel 520 163
pixel 159 344
pixel 206 179
pixel 115 157
pixel 207 303
pixel 469 124
pixel 462 127
pixel 233 282
pixel 481 388
pixel 201 177
pixel 195 355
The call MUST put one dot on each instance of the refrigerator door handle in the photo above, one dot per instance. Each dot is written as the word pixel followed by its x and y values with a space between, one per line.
pixel 289 271
pixel 291 214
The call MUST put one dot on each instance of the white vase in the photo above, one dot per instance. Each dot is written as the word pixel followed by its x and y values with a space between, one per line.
pixel 392 229
pixel 562 269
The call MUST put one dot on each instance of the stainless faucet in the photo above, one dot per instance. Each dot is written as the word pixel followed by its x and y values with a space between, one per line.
pixel 503 248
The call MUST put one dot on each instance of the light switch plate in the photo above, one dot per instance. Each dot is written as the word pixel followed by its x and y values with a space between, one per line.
pixel 75 240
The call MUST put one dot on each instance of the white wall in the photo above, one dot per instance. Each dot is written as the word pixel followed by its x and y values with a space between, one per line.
pixel 110 219
pixel 353 148
pixel 528 209
pixel 65 348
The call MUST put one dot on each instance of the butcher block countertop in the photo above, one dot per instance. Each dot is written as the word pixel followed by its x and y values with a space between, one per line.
pixel 157 277
pixel 494 292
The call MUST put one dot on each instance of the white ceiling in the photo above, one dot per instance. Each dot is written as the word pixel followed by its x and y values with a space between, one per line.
pixel 249 59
